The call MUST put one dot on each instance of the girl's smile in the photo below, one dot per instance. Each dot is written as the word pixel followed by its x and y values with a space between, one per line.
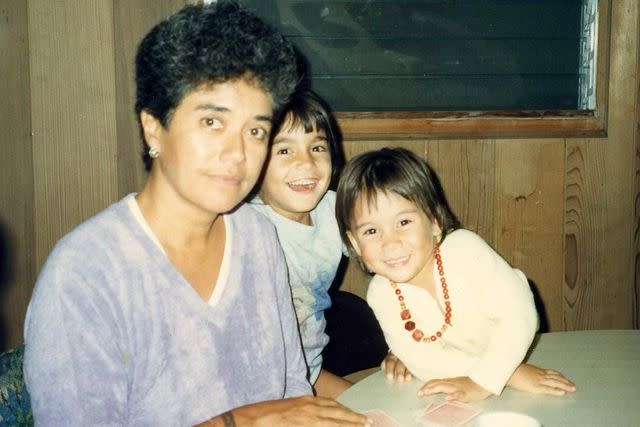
pixel 303 185
pixel 398 262
pixel 298 172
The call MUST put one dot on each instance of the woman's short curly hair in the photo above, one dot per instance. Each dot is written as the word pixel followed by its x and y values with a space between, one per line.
pixel 208 44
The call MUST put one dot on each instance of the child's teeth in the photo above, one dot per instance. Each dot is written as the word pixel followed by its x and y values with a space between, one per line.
pixel 304 183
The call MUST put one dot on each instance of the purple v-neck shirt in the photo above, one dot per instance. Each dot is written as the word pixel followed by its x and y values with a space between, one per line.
pixel 116 336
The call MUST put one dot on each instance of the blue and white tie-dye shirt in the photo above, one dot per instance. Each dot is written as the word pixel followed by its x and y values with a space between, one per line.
pixel 313 253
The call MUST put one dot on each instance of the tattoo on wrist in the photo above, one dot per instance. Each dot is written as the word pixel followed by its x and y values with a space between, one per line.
pixel 227 419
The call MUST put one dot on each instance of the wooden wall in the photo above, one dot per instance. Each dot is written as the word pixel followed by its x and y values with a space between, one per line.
pixel 69 138
pixel 17 268
pixel 564 210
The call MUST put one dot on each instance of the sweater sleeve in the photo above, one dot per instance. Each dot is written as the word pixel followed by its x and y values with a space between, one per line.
pixel 74 369
pixel 507 301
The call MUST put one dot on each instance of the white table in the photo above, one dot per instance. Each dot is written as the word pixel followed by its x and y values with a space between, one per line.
pixel 605 365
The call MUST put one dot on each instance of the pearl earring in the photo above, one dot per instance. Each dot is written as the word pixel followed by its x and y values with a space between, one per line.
pixel 154 153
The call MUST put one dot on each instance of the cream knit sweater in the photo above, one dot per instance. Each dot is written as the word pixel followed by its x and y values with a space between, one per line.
pixel 493 316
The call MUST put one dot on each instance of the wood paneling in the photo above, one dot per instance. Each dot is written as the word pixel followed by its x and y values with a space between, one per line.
pixel 600 185
pixel 69 137
pixel 16 173
pixel 528 218
pixel 477 124
pixel 132 20
pixel 636 207
pixel 73 115
pixel 467 174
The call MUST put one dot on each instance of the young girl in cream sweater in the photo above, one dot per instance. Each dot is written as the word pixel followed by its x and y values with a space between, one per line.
pixel 451 309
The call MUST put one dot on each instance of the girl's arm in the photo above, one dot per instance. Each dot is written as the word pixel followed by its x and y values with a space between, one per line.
pixel 330 385
pixel 506 300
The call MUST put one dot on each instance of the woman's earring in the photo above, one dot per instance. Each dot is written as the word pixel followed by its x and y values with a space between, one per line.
pixel 154 153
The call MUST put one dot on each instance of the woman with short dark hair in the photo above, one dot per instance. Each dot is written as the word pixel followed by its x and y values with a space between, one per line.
pixel 171 306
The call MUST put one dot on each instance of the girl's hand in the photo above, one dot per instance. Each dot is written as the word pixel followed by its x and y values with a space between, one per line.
pixel 395 369
pixel 532 379
pixel 462 389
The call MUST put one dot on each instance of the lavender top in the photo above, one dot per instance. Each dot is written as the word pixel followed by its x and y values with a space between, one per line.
pixel 116 336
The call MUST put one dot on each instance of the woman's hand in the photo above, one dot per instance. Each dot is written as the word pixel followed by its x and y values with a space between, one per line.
pixel 299 411
pixel 462 389
pixel 395 369
pixel 532 379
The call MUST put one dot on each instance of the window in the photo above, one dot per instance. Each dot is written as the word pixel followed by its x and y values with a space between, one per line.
pixel 474 67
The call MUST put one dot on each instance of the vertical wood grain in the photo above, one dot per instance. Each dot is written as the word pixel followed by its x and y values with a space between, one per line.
pixel 636 198
pixel 600 196
pixel 529 218
pixel 16 173
pixel 73 115
pixel 466 170
pixel 132 20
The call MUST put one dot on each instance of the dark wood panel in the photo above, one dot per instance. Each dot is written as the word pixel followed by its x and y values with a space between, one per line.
pixel 411 57
pixel 16 173
pixel 430 19
pixel 437 55
pixel 428 93
pixel 471 124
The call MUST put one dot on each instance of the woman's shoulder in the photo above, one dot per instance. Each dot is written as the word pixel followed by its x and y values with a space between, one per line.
pixel 248 215
pixel 95 249
pixel 249 225
pixel 106 228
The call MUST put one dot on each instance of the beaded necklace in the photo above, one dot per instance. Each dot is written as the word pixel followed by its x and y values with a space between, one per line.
pixel 405 314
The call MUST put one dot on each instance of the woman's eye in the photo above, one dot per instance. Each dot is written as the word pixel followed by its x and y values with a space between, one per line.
pixel 212 123
pixel 319 148
pixel 259 133
pixel 369 231
pixel 404 222
pixel 282 151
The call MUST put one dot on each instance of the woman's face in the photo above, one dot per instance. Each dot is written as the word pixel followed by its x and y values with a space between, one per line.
pixel 213 149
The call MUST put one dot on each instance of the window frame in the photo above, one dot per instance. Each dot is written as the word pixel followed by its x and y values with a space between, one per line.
pixel 494 124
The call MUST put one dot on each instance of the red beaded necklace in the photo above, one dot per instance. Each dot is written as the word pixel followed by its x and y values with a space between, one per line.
pixel 405 314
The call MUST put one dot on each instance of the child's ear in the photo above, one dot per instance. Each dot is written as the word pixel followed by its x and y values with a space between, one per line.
pixel 437 230
pixel 354 243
